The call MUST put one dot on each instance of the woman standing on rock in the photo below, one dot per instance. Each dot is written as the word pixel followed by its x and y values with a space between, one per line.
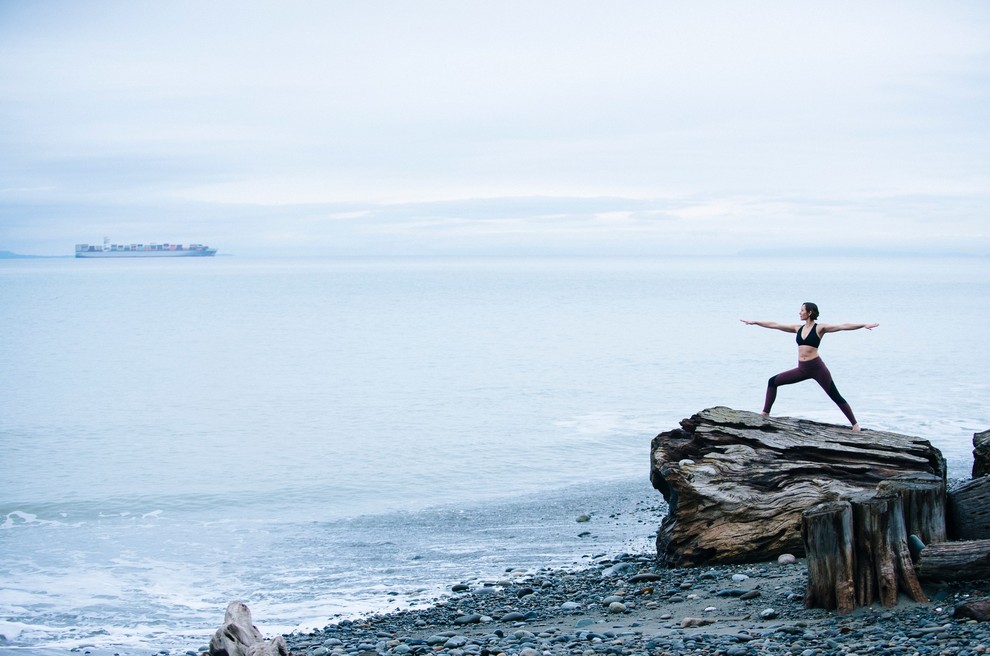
pixel 809 336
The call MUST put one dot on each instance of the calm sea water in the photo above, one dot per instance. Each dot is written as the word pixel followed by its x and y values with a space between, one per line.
pixel 325 437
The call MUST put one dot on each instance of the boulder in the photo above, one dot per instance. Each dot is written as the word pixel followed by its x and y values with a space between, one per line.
pixel 736 482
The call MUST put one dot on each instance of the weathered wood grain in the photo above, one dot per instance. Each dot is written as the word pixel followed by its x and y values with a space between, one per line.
pixel 981 454
pixel 923 499
pixel 955 561
pixel 827 531
pixel 883 563
pixel 969 510
pixel 736 482
pixel 240 637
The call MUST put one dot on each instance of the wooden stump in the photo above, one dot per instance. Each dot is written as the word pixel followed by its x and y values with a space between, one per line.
pixel 923 499
pixel 883 563
pixel 969 510
pixel 827 533
pixel 955 561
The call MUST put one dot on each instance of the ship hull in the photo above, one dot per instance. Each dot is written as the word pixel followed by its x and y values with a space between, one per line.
pixel 103 255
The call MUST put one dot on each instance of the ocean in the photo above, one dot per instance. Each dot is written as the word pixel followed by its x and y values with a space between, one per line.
pixel 322 438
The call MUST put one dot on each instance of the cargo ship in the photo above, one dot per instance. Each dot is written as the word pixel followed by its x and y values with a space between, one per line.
pixel 143 250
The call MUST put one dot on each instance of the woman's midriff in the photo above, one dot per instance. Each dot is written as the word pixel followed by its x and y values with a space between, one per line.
pixel 806 353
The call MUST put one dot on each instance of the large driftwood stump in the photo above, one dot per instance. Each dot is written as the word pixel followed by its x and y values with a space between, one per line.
pixel 736 482
pixel 827 530
pixel 883 563
pixel 969 510
pixel 981 454
pixel 240 637
pixel 923 499
pixel 955 561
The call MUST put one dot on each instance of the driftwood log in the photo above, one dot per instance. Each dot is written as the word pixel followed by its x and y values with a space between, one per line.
pixel 240 637
pixel 955 561
pixel 981 454
pixel 978 609
pixel 923 499
pixel 736 482
pixel 969 510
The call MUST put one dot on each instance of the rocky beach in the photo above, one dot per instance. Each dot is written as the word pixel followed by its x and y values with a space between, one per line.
pixel 625 605
pixel 631 604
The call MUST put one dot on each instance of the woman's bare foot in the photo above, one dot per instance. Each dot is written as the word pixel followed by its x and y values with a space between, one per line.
pixel 856 428
pixel 764 414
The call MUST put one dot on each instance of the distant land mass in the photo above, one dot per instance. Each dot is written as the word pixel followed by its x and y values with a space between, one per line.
pixel 826 251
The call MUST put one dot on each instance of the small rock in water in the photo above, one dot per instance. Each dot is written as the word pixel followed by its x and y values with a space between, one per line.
pixel 786 559
pixel 583 518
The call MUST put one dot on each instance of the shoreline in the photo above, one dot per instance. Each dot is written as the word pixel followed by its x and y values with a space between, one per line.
pixel 625 605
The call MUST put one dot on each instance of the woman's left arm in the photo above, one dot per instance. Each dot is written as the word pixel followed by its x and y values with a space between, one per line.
pixel 827 328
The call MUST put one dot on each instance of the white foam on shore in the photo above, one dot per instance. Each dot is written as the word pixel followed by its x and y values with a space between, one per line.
pixel 118 584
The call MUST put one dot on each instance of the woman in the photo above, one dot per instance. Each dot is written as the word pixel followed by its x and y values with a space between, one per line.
pixel 809 336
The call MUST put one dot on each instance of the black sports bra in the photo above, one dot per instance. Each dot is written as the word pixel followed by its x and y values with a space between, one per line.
pixel 813 338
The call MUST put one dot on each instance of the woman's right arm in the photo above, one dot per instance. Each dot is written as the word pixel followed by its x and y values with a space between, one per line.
pixel 772 324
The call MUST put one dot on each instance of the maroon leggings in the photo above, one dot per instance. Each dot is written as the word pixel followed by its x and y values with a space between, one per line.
pixel 808 369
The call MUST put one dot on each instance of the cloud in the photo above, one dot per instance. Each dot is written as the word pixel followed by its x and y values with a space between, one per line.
pixel 694 120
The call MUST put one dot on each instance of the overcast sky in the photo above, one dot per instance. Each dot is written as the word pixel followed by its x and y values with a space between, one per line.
pixel 460 127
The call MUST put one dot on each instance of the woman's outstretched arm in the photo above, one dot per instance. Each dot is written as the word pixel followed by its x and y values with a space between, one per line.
pixel 787 328
pixel 829 328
